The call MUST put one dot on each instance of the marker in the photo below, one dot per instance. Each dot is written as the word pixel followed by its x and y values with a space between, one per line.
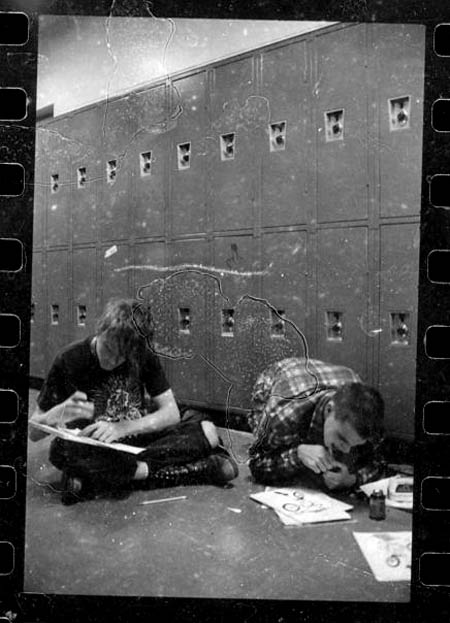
pixel 178 497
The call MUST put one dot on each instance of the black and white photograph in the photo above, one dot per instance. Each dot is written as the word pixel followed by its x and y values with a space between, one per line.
pixel 225 266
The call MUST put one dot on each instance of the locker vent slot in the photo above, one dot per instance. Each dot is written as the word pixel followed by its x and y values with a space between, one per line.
pixel 335 327
pixel 81 315
pixel 184 156
pixel 228 322
pixel 277 135
pixel 111 171
pixel 54 182
pixel 81 177
pixel 145 160
pixel 278 325
pixel 54 314
pixel 227 145
pixel 184 319
pixel 334 125
pixel 400 332
pixel 399 113
pixel 32 312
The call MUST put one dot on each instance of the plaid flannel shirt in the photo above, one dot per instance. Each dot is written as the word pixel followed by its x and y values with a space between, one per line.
pixel 289 400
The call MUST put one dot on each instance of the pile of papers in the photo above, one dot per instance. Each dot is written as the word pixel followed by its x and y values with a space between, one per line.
pixel 296 507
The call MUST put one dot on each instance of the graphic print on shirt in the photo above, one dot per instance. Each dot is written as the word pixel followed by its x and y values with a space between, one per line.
pixel 117 398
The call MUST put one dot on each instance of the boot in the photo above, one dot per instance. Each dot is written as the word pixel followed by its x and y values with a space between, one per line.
pixel 218 469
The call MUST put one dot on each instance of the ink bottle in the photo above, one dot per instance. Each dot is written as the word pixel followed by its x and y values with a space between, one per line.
pixel 377 505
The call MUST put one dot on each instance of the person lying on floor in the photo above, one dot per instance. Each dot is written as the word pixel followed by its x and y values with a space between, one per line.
pixel 318 420
pixel 97 385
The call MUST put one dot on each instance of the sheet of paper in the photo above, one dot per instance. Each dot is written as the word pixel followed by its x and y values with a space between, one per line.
pixel 297 506
pixel 71 435
pixel 387 553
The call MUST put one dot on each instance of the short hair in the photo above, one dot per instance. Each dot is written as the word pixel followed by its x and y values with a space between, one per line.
pixel 363 407
pixel 129 323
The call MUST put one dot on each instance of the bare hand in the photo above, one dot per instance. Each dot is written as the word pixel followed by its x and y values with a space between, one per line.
pixel 107 431
pixel 315 457
pixel 76 407
pixel 339 478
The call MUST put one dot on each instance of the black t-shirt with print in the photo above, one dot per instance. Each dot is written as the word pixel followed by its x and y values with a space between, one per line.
pixel 116 394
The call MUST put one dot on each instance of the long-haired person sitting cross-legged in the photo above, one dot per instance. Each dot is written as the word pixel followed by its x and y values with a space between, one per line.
pixel 98 385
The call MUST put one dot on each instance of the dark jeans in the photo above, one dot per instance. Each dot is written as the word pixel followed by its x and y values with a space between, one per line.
pixel 175 445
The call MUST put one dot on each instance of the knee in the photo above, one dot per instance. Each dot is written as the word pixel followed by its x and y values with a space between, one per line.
pixel 210 433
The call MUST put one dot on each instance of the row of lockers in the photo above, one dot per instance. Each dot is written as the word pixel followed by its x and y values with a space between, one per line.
pixel 308 249
pixel 243 302
pixel 345 103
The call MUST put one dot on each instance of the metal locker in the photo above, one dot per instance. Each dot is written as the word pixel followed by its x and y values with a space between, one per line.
pixel 398 58
pixel 232 166
pixel 342 297
pixel 84 292
pixel 287 150
pixel 56 153
pixel 84 130
pixel 399 245
pixel 284 286
pixel 39 318
pixel 187 154
pixel 235 319
pixel 340 101
pixel 147 145
pixel 115 275
pixel 115 167
pixel 186 292
pixel 57 304
pixel 41 190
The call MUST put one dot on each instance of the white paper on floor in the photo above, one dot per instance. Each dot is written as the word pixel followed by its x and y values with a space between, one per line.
pixel 298 506
pixel 388 554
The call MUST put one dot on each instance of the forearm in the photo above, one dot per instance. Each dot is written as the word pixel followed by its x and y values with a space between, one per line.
pixel 52 417
pixel 275 466
pixel 154 422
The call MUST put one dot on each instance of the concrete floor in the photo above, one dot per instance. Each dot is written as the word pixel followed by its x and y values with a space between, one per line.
pixel 216 543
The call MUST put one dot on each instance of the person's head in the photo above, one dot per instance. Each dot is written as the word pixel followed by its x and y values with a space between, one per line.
pixel 353 416
pixel 123 332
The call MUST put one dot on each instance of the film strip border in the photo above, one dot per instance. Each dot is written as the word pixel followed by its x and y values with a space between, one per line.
pixel 431 563
pixel 18 57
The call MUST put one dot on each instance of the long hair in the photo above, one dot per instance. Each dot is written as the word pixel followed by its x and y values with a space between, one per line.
pixel 129 324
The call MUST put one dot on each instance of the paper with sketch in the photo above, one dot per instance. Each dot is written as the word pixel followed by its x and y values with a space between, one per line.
pixel 296 506
pixel 73 434
pixel 388 554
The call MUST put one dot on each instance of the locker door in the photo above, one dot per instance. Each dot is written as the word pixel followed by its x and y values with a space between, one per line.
pixel 116 159
pixel 231 149
pixel 57 173
pixel 41 190
pixel 398 51
pixel 187 155
pixel 342 297
pixel 149 286
pixel 85 131
pixel 146 160
pixel 288 163
pixel 284 287
pixel 39 323
pixel 186 319
pixel 236 321
pixel 84 292
pixel 57 312
pixel 114 274
pixel 398 311
pixel 341 109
